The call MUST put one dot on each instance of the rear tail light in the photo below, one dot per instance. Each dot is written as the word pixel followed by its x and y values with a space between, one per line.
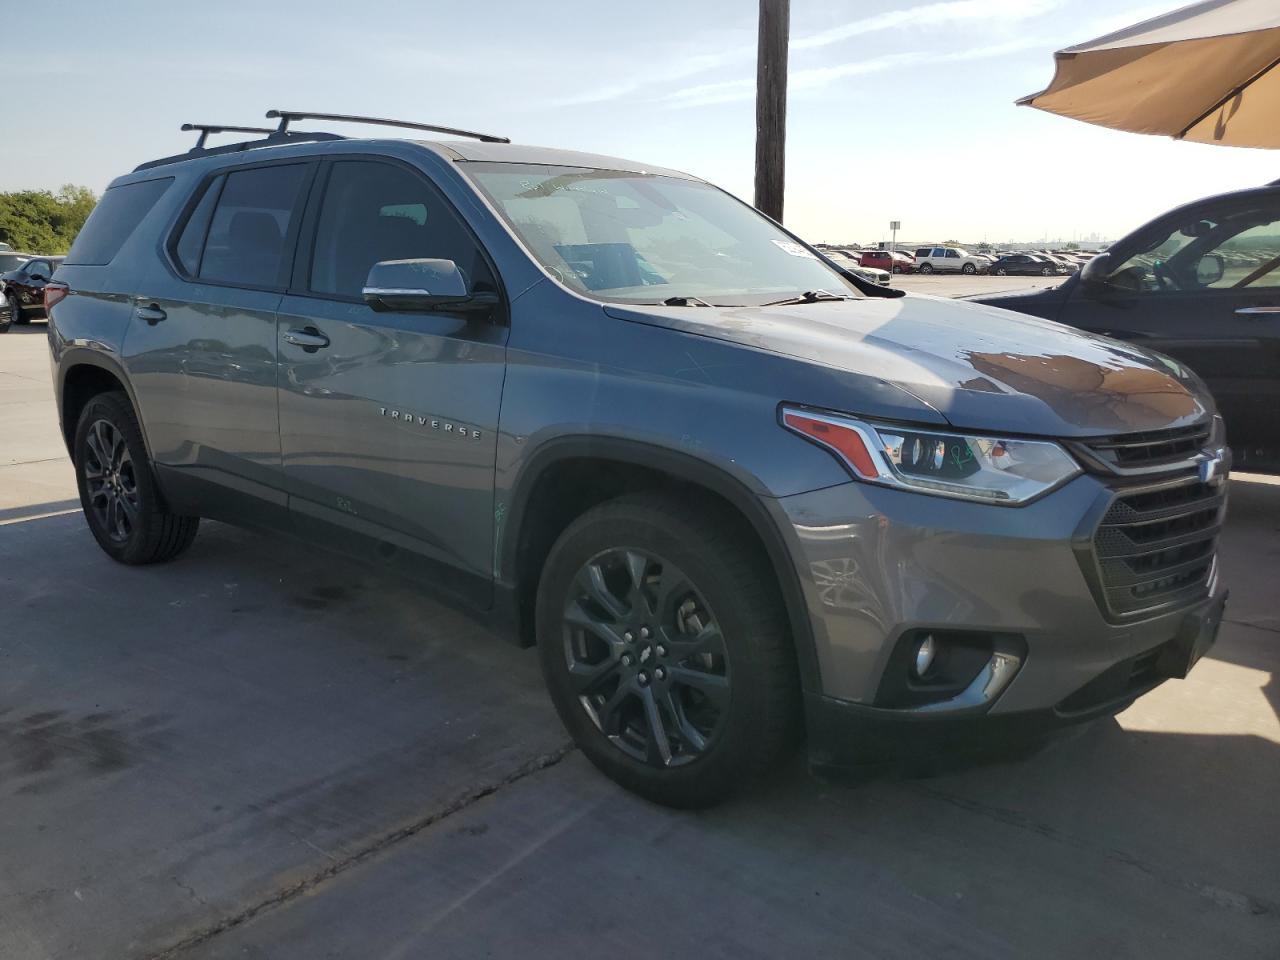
pixel 54 293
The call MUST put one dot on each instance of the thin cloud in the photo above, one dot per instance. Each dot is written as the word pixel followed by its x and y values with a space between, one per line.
pixel 946 12
pixel 683 69
pixel 818 77
pixel 931 15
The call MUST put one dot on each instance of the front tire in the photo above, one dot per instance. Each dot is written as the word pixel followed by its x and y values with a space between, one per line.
pixel 15 310
pixel 663 641
pixel 1001 272
pixel 1046 271
pixel 118 492
pixel 969 268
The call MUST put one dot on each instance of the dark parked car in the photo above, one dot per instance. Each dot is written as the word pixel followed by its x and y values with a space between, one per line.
pixel 23 287
pixel 1201 284
pixel 733 494
pixel 1024 264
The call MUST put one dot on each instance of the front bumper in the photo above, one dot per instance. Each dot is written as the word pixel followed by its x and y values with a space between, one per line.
pixel 879 565
pixel 843 734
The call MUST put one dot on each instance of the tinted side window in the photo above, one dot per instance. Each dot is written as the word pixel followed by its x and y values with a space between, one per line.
pixel 113 221
pixel 376 211
pixel 190 246
pixel 1249 257
pixel 39 268
pixel 250 223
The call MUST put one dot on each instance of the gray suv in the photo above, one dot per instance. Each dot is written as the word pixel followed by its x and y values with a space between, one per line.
pixel 734 495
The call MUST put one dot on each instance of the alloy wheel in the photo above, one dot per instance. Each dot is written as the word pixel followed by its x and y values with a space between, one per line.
pixel 111 481
pixel 646 658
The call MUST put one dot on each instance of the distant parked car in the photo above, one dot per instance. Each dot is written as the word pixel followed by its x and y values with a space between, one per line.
pixel 23 287
pixel 894 262
pixel 872 274
pixel 1024 264
pixel 851 260
pixel 950 260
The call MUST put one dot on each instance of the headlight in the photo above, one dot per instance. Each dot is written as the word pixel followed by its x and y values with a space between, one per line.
pixel 984 467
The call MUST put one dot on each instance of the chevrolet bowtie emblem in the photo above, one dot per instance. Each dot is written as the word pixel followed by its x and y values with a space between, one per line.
pixel 1210 470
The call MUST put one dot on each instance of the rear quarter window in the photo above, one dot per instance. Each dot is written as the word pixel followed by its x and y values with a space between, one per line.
pixel 113 221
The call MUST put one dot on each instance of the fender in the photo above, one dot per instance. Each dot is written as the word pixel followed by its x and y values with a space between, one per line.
pixel 685 467
pixel 76 355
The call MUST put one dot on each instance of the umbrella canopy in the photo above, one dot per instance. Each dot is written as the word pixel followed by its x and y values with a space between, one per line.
pixel 1209 73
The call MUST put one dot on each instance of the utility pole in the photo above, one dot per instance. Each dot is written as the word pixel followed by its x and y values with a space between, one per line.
pixel 771 105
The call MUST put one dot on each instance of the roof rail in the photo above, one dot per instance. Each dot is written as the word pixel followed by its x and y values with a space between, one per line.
pixel 208 128
pixel 274 139
pixel 286 116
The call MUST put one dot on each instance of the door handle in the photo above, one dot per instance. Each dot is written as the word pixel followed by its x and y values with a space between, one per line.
pixel 309 338
pixel 1257 311
pixel 150 313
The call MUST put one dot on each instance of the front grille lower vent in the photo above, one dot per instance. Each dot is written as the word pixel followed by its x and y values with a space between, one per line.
pixel 1155 448
pixel 1156 546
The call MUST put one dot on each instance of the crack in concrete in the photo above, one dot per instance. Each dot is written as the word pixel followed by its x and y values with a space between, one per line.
pixel 307 884
pixel 1252 625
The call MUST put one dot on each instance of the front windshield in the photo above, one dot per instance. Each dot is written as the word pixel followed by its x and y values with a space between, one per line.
pixel 642 238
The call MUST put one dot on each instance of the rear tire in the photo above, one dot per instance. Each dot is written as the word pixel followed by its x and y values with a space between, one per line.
pixel 118 493
pixel 926 268
pixel 663 640
pixel 15 310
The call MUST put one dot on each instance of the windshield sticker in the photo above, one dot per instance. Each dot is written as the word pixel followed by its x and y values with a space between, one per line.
pixel 786 246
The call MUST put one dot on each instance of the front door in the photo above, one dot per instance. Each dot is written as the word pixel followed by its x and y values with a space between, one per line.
pixel 388 421
pixel 1205 289
pixel 201 348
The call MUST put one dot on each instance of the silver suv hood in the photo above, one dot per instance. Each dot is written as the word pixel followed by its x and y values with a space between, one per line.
pixel 980 367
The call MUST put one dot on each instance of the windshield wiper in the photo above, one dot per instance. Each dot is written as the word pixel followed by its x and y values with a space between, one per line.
pixel 809 296
pixel 686 302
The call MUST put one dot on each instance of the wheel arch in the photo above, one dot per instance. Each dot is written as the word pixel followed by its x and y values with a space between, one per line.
pixel 82 375
pixel 529 528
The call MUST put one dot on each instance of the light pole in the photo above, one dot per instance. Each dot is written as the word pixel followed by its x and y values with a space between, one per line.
pixel 771 105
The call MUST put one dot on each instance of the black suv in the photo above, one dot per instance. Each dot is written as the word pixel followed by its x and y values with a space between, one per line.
pixel 1202 284
pixel 733 492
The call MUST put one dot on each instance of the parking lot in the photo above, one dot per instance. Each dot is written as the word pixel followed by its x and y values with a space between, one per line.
pixel 262 751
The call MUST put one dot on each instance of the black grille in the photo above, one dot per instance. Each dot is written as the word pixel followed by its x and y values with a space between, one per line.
pixel 1155 546
pixel 1152 449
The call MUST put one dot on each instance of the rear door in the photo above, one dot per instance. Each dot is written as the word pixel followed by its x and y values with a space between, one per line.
pixel 202 344
pixel 388 421
pixel 1205 289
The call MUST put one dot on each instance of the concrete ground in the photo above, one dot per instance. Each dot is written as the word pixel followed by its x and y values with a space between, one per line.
pixel 264 752
pixel 958 285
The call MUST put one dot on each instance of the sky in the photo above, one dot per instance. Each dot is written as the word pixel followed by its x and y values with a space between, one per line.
pixel 897 109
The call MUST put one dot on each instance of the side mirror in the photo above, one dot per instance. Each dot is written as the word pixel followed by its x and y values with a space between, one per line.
pixel 37 278
pixel 1097 270
pixel 420 286
pixel 1210 269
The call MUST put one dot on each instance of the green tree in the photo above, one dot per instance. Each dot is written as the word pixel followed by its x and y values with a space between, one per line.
pixel 43 222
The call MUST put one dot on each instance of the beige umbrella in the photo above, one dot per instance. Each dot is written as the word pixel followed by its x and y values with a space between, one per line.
pixel 1209 73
